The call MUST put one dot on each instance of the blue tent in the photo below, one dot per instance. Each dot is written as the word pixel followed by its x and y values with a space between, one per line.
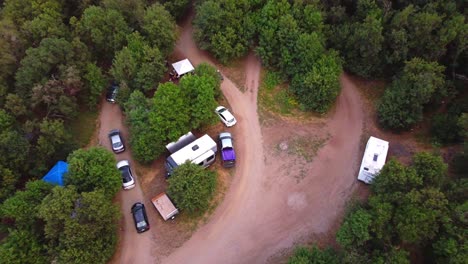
pixel 55 175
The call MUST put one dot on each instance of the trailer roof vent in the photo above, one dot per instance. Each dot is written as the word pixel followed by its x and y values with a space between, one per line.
pixel 195 147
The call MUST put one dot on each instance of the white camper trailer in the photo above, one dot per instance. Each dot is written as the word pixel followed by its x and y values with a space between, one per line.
pixel 373 159
pixel 201 151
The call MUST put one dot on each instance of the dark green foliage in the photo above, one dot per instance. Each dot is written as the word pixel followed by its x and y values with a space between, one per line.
pixel 318 89
pixel 314 255
pixel 79 228
pixel 206 70
pixel 354 231
pixel 402 103
pixel 396 178
pixel 192 187
pixel 132 10
pixel 93 169
pixel 145 144
pixel 103 30
pixel 199 90
pixel 224 27
pixel 138 65
pixel 22 208
pixel 431 168
pixel 360 42
pixel 177 8
pixel 23 247
pixel 95 82
pixel 159 28
pixel 39 63
pixel 171 115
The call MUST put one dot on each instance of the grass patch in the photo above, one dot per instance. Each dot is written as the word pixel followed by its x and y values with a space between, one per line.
pixel 83 127
pixel 306 147
pixel 275 97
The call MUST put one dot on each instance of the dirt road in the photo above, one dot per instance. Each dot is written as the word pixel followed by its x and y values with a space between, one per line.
pixel 267 209
pixel 133 247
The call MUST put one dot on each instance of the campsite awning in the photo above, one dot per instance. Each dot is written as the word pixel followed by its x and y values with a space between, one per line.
pixel 183 67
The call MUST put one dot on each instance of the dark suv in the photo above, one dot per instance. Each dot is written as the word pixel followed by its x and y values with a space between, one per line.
pixel 111 94
pixel 140 218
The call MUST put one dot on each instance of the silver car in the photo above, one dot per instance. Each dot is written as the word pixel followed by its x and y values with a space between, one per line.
pixel 116 141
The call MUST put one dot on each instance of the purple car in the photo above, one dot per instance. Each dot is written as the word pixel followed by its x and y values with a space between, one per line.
pixel 228 156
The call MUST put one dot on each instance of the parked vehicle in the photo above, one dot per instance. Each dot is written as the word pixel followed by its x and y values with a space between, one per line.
pixel 226 117
pixel 128 181
pixel 373 160
pixel 165 207
pixel 116 141
pixel 201 151
pixel 140 217
pixel 112 91
pixel 228 155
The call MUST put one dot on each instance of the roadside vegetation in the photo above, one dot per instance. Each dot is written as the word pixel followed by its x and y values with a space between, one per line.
pixel 192 188
pixel 412 210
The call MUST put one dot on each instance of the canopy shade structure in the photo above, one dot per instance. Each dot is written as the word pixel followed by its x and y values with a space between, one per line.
pixel 182 67
pixel 55 175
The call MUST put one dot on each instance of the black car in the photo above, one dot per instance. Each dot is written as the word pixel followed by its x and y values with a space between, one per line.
pixel 111 94
pixel 140 218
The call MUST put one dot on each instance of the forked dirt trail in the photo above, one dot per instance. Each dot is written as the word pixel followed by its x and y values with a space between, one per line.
pixel 276 197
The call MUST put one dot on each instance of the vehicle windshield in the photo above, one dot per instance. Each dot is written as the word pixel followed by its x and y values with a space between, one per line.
pixel 126 174
pixel 141 224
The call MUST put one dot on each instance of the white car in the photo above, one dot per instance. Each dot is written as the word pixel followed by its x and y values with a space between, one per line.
pixel 127 177
pixel 228 119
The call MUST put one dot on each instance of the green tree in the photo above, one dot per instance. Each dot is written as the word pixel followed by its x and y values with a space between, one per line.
pixel 95 83
pixel 224 27
pixel 51 97
pixel 8 181
pixel 200 93
pixel 145 147
pixel 132 10
pixel 103 30
pixel 431 168
pixel 355 230
pixel 79 228
pixel 396 178
pixel 22 207
pixel 318 89
pixel 420 215
pixel 361 40
pixel 177 8
pixel 159 27
pixel 402 103
pixel 139 65
pixel 170 118
pixel 40 63
pixel 93 169
pixel 15 105
pixel 23 247
pixel 53 143
pixel 192 187
pixel 47 24
pixel 315 255
pixel 206 70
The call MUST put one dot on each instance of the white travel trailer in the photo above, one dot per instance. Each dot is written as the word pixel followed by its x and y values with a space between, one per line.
pixel 201 151
pixel 373 159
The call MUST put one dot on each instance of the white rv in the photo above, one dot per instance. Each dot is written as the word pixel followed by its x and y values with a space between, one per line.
pixel 201 151
pixel 373 159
